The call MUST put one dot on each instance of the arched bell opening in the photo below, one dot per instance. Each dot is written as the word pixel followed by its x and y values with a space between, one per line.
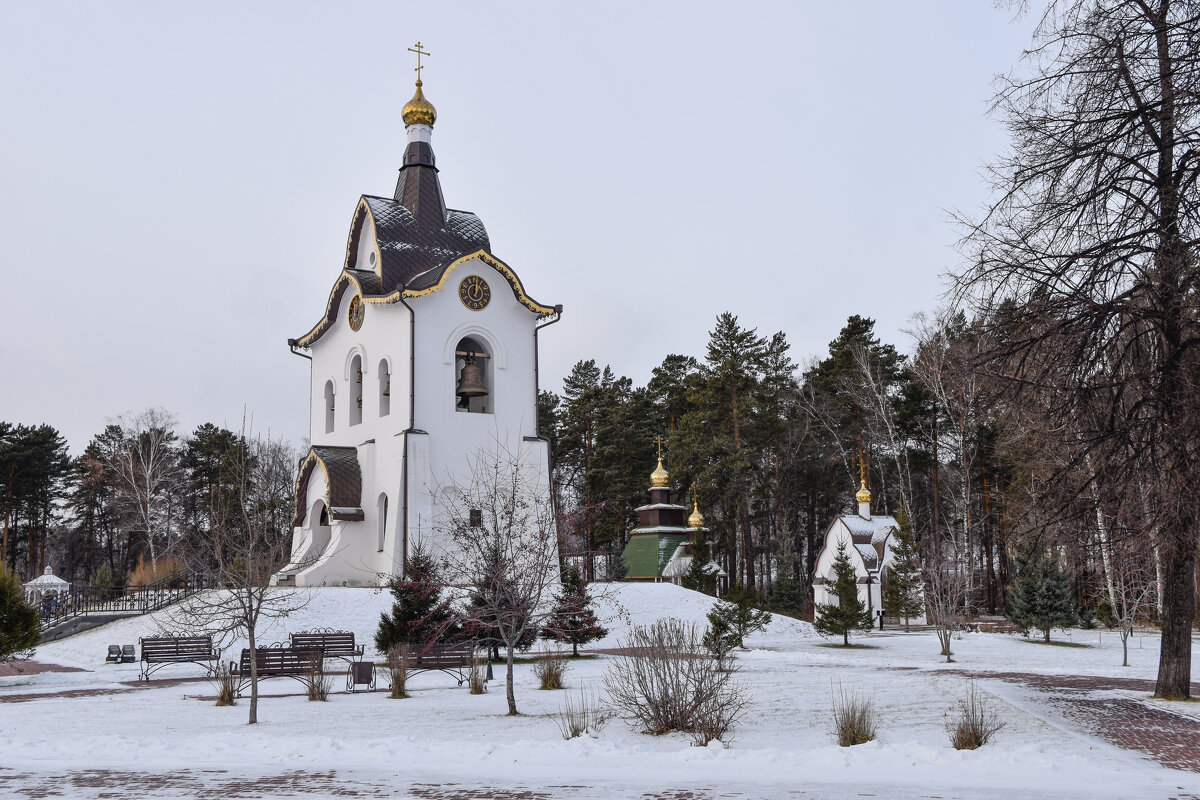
pixel 329 406
pixel 321 531
pixel 356 390
pixel 382 509
pixel 473 377
pixel 385 388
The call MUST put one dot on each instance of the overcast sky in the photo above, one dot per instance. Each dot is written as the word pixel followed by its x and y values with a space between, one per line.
pixel 177 180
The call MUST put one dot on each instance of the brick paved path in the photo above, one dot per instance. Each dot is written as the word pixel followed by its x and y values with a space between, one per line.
pixel 1093 705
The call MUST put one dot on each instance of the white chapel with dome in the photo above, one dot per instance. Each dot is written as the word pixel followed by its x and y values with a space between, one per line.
pixel 423 357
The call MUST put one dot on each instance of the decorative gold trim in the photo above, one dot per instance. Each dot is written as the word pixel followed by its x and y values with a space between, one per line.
pixel 346 279
pixel 303 476
pixel 496 264
pixel 356 232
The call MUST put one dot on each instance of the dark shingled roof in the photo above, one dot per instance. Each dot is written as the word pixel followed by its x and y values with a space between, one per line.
pixel 344 477
pixel 409 249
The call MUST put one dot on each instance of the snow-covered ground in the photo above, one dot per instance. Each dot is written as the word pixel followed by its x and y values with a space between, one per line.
pixel 443 736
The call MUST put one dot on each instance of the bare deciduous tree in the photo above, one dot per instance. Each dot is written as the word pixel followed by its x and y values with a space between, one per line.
pixel 148 468
pixel 945 598
pixel 1086 262
pixel 240 551
pixel 507 555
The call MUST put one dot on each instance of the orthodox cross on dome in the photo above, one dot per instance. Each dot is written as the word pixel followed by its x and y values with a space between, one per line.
pixel 658 439
pixel 420 52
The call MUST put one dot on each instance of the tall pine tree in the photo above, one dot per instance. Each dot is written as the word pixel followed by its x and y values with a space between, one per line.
pixel 904 594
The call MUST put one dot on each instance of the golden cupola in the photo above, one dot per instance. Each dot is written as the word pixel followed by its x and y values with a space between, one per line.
pixel 419 111
pixel 695 519
pixel 660 476
pixel 864 494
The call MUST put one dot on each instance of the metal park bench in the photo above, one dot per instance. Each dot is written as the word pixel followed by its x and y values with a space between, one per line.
pixel 453 658
pixel 331 643
pixel 158 651
pixel 278 661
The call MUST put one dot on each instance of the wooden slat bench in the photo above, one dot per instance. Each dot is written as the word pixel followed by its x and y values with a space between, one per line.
pixel 279 662
pixel 332 644
pixel 453 658
pixel 158 651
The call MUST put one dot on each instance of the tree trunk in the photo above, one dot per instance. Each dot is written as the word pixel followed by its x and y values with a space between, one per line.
pixel 253 679
pixel 508 684
pixel 1175 659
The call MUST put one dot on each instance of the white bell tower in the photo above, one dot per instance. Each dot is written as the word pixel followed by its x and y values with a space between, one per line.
pixel 424 358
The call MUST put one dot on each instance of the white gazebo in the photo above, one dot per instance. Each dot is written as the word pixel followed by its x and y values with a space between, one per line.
pixel 45 585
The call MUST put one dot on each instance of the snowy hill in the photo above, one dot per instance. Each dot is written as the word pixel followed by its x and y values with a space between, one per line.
pixel 619 605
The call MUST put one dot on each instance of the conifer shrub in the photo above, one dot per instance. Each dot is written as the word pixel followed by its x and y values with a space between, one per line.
pixel 19 623
pixel 849 613
pixel 904 592
pixel 573 620
pixel 419 613
pixel 974 722
pixel 550 668
pixel 730 621
pixel 854 719
pixel 1041 599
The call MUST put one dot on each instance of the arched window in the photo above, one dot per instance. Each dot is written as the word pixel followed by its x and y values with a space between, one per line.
pixel 329 406
pixel 382 520
pixel 385 389
pixel 473 377
pixel 356 390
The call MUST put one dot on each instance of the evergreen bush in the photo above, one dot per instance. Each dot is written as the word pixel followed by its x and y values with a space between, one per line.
pixel 419 614
pixel 573 620
pixel 904 592
pixel 19 623
pixel 1042 598
pixel 849 613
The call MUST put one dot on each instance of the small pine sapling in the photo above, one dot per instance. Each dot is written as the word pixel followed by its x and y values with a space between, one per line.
pixel 573 620
pixel 419 614
pixel 849 613
pixel 904 593
pixel 731 620
pixel 1042 597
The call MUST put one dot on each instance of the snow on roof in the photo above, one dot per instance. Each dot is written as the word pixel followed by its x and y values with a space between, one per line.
pixel 868 553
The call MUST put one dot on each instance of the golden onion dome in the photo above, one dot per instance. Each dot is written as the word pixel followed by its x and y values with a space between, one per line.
pixel 419 111
pixel 695 519
pixel 864 494
pixel 659 476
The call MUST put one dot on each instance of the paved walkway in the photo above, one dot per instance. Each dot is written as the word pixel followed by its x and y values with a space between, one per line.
pixel 1094 705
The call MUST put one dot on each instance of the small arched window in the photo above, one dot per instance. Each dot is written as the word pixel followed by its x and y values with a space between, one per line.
pixel 382 520
pixel 329 406
pixel 472 377
pixel 385 389
pixel 356 389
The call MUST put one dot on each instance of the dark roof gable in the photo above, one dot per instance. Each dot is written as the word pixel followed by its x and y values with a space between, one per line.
pixel 408 248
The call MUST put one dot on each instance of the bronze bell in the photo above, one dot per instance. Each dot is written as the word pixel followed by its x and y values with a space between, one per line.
pixel 470 381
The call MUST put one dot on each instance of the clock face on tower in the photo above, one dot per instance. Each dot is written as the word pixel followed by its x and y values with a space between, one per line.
pixel 358 310
pixel 474 292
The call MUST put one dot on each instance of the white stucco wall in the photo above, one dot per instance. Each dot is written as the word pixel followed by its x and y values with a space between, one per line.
pixel 443 440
